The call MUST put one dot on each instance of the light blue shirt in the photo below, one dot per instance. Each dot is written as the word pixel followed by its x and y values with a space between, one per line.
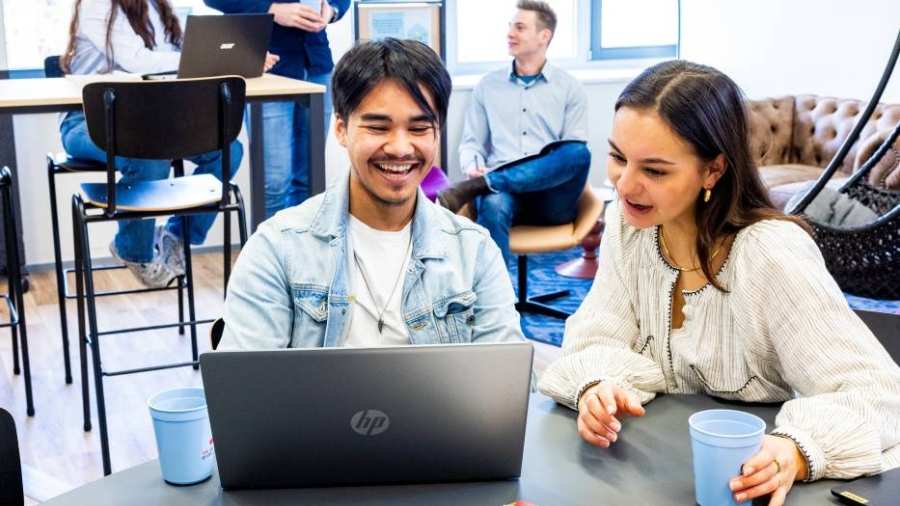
pixel 291 285
pixel 509 119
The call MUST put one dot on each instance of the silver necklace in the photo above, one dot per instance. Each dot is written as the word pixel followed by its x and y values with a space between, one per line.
pixel 365 276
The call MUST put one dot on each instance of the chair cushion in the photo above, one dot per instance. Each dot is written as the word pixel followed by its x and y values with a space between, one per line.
pixel 158 196
pixel 524 239
pixel 781 194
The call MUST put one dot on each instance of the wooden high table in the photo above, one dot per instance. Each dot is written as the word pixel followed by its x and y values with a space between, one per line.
pixel 31 96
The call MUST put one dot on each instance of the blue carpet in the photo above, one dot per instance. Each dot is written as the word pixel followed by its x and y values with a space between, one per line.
pixel 542 279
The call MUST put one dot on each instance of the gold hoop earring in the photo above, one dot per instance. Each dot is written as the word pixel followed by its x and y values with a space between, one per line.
pixel 707 195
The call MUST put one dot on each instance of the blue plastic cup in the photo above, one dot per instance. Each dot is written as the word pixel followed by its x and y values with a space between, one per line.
pixel 721 441
pixel 183 436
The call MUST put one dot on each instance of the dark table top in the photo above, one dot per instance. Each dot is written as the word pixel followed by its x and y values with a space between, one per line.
pixel 650 464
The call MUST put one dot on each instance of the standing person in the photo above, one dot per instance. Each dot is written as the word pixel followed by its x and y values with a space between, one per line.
pixel 142 37
pixel 515 113
pixel 299 39
pixel 705 287
pixel 373 262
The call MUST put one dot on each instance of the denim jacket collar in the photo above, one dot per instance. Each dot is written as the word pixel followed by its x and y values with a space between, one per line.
pixel 332 220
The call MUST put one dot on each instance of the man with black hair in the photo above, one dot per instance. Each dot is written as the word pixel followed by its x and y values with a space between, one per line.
pixel 372 262
pixel 518 170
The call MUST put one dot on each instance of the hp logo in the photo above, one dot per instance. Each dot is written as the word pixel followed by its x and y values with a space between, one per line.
pixel 369 422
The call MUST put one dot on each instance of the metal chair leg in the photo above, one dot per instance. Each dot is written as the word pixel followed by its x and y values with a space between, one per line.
pixel 17 369
pixel 527 304
pixel 15 285
pixel 58 267
pixel 189 280
pixel 181 305
pixel 79 297
pixel 93 334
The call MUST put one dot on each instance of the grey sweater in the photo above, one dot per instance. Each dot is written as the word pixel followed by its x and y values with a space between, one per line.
pixel 783 333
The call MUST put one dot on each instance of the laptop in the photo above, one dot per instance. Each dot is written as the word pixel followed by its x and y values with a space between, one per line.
pixel 353 416
pixel 217 45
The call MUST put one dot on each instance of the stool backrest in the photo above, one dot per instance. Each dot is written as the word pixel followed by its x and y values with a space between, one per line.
pixel 11 491
pixel 164 120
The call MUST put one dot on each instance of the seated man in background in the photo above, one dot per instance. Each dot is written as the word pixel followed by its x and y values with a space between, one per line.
pixel 516 113
pixel 371 261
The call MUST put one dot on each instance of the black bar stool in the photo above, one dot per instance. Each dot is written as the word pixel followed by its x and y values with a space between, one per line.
pixel 14 299
pixel 61 164
pixel 153 120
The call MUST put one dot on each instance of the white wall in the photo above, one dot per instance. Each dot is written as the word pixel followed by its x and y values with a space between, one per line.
pixel 770 47
pixel 778 47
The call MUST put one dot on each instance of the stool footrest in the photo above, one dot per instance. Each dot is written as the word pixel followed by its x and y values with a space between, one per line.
pixel 154 327
pixel 149 369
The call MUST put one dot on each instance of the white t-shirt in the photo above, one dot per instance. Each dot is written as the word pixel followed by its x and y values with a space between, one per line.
pixel 381 258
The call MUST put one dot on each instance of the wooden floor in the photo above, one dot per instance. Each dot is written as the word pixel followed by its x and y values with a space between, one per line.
pixel 57 454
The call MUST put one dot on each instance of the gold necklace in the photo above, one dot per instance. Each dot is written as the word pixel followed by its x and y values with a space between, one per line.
pixel 662 236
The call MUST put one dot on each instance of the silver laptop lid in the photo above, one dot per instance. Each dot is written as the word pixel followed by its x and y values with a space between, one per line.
pixel 339 416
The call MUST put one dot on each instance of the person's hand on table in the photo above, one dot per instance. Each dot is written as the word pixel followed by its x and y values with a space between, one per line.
pixel 772 470
pixel 600 409
pixel 295 15
pixel 271 60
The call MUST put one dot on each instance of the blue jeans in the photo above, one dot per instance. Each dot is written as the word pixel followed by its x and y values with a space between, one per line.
pixel 286 148
pixel 134 241
pixel 540 191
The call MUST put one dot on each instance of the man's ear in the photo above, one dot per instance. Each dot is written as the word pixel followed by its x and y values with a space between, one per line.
pixel 340 130
pixel 546 35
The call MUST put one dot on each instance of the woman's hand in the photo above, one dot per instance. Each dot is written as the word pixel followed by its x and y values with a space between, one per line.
pixel 271 60
pixel 597 410
pixel 772 470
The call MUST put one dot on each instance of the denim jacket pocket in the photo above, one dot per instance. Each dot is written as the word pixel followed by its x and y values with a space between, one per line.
pixel 310 313
pixel 455 317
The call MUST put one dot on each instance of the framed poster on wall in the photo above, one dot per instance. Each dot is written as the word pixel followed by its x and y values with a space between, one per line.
pixel 402 20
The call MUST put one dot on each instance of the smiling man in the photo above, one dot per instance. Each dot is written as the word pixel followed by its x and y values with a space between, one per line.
pixel 372 262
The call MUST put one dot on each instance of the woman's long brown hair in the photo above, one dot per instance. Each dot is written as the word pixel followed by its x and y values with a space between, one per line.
pixel 706 109
pixel 137 12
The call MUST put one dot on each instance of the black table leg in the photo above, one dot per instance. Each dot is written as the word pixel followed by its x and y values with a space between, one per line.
pixel 257 168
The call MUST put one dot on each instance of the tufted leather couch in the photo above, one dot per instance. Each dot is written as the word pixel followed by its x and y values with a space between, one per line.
pixel 793 138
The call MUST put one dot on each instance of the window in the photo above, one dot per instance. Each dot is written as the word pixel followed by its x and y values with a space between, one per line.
pixel 624 29
pixel 587 31
pixel 35 29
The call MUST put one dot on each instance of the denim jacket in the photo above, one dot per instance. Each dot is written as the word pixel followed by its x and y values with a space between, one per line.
pixel 290 285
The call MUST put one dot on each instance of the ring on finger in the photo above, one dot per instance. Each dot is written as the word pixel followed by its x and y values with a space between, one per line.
pixel 777 466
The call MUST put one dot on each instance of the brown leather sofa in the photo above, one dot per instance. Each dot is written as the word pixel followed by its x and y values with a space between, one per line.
pixel 794 137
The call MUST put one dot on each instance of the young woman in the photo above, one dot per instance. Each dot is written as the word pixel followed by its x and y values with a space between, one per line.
pixel 704 287
pixel 138 36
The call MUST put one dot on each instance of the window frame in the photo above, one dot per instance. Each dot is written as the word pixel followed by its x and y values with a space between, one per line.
pixel 588 53
pixel 600 53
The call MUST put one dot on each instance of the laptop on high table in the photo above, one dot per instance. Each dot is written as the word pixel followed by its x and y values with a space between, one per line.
pixel 353 416
pixel 219 45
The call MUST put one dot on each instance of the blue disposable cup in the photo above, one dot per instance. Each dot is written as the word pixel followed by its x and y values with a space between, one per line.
pixel 183 436
pixel 721 441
